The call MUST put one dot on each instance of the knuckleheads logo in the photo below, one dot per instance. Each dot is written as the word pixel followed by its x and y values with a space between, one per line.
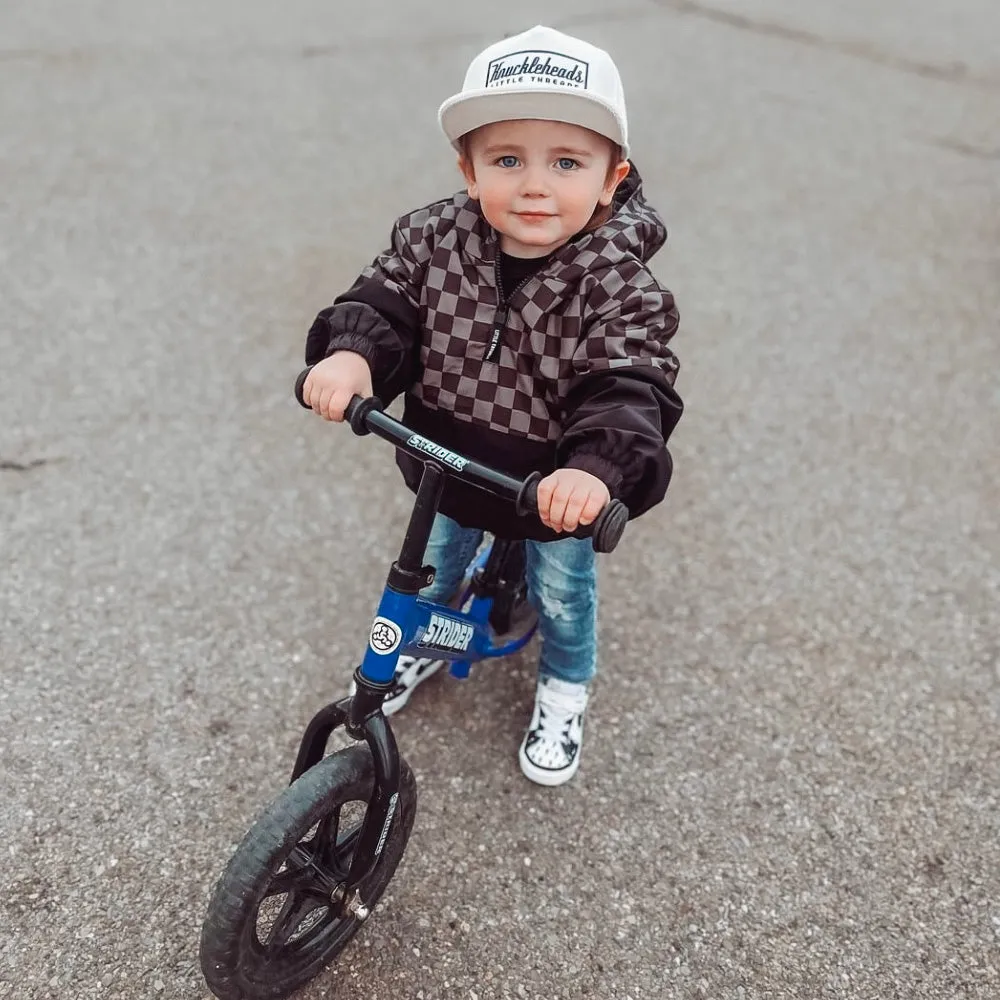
pixel 385 636
pixel 553 68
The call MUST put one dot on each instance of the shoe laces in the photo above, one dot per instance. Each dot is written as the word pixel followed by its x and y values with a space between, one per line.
pixel 559 708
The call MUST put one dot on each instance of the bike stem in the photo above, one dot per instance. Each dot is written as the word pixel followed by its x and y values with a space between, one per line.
pixel 418 531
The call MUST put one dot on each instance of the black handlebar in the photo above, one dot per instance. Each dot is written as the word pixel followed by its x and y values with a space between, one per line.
pixel 366 416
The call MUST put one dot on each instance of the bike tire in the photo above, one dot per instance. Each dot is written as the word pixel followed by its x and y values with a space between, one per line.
pixel 236 964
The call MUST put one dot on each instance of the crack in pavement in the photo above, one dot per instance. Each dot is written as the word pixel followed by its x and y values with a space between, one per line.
pixel 602 17
pixel 956 72
pixel 965 148
pixel 9 465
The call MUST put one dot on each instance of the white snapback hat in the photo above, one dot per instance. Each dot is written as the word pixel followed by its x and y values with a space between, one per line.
pixel 540 73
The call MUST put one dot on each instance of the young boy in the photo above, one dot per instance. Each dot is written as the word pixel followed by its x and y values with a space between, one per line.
pixel 522 322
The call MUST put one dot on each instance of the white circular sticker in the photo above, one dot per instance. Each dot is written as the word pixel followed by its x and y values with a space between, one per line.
pixel 385 637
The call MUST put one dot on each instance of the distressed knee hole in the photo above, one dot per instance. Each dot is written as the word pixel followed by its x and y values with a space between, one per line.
pixel 553 608
pixel 567 608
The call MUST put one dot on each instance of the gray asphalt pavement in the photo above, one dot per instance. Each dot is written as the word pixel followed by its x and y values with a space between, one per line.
pixel 790 779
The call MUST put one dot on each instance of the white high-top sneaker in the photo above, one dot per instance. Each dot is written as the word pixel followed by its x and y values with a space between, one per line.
pixel 550 750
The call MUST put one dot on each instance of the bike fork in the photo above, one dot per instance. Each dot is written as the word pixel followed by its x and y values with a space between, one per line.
pixel 363 719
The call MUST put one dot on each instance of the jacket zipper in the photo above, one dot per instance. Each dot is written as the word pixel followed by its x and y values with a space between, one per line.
pixel 503 311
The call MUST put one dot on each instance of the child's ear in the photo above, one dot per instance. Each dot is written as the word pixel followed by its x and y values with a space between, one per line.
pixel 470 176
pixel 615 177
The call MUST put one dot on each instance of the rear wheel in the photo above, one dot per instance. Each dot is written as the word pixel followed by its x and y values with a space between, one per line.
pixel 275 919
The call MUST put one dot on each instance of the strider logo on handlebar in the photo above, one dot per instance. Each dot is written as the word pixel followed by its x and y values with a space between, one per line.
pixel 429 447
pixel 446 633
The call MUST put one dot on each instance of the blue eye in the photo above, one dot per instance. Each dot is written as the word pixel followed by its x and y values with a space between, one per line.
pixel 507 161
pixel 567 163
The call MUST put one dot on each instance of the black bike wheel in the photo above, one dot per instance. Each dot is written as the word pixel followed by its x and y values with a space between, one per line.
pixel 274 869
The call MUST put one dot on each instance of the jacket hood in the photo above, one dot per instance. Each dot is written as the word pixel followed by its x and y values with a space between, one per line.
pixel 635 227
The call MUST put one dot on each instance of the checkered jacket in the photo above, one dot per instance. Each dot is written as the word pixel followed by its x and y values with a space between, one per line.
pixel 571 368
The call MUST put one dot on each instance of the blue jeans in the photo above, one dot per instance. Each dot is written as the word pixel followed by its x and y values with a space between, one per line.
pixel 562 585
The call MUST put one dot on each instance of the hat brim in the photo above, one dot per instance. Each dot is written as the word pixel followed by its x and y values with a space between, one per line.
pixel 470 110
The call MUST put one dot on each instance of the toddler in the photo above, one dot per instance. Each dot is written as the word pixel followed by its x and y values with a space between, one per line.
pixel 521 320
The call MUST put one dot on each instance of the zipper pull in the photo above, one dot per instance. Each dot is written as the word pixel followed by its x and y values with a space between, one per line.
pixel 499 325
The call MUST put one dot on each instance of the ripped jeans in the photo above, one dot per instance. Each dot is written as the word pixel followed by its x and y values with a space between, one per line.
pixel 562 585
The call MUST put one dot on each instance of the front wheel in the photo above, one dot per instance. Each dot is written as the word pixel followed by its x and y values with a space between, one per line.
pixel 274 920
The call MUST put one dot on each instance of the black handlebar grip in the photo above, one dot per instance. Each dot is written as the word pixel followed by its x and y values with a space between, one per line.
pixel 300 384
pixel 356 413
pixel 526 501
pixel 606 530
pixel 609 526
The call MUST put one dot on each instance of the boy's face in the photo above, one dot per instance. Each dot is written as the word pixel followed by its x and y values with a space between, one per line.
pixel 538 182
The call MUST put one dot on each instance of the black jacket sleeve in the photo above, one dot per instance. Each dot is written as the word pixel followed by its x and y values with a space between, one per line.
pixel 622 406
pixel 378 317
